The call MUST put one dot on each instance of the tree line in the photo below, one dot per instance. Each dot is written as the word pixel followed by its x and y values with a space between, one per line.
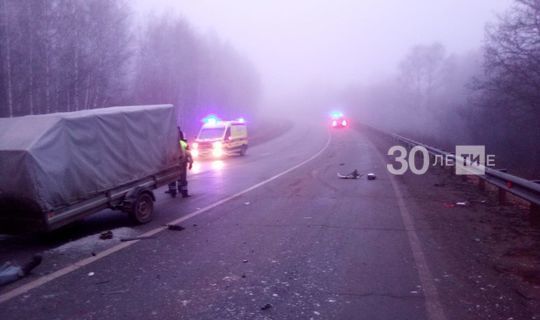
pixel 67 55
pixel 489 96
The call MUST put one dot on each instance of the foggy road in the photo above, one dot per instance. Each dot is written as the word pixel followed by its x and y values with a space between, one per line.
pixel 430 107
pixel 274 235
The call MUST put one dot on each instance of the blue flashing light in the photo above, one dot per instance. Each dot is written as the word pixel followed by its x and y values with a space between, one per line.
pixel 336 114
pixel 211 119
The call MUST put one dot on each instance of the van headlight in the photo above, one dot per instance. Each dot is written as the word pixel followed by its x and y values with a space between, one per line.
pixel 217 149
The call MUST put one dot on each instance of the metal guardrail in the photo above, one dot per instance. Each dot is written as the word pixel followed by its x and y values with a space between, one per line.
pixel 520 187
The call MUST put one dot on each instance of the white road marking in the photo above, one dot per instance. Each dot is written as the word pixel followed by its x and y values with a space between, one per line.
pixel 433 305
pixel 77 265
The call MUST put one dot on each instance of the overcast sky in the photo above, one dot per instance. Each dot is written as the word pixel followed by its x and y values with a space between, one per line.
pixel 298 43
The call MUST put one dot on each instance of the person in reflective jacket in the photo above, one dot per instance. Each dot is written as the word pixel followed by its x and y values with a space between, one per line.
pixel 186 162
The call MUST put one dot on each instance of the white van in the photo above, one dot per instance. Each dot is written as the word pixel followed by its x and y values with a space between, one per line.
pixel 218 139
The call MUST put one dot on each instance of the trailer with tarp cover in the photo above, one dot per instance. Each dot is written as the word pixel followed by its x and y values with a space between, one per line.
pixel 59 168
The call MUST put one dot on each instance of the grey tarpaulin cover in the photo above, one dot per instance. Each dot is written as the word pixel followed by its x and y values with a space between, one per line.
pixel 61 158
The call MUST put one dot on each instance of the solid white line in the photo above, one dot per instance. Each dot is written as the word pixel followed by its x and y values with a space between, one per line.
pixel 77 265
pixel 432 302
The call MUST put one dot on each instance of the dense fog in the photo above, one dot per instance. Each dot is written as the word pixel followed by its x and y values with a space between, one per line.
pixel 446 72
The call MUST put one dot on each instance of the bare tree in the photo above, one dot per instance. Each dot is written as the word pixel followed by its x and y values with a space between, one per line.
pixel 507 96
pixel 67 55
pixel 512 59
pixel 421 71
pixel 62 55
pixel 198 74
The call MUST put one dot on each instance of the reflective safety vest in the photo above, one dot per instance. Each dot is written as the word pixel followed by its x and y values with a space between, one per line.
pixel 186 154
pixel 183 148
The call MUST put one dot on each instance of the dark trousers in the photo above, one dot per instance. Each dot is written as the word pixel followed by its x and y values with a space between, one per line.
pixel 181 182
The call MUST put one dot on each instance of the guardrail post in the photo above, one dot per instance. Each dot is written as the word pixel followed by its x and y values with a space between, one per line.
pixel 502 196
pixel 534 215
pixel 495 177
pixel 481 184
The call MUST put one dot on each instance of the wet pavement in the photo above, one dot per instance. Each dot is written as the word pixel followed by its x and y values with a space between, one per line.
pixel 262 239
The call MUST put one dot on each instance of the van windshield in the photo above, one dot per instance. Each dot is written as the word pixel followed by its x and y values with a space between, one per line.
pixel 211 133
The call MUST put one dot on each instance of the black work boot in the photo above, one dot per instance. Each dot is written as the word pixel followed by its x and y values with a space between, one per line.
pixel 185 194
pixel 27 267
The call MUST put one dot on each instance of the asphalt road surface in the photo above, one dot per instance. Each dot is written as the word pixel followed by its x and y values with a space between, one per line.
pixel 273 235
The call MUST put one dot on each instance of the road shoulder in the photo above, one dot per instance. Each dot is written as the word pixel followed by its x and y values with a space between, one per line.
pixel 484 257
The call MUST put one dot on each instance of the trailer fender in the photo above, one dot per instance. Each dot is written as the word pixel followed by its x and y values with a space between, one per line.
pixel 133 194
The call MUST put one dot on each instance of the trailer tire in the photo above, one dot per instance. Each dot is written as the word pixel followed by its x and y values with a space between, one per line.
pixel 143 208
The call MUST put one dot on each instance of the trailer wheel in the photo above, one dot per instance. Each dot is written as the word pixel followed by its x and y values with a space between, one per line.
pixel 143 208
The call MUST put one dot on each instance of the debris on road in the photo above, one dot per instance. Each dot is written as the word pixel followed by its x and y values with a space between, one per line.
pixel 482 201
pixel 341 164
pixel 118 292
pixel 352 175
pixel 456 204
pixel 245 261
pixel 247 203
pixel 91 274
pixel 439 185
pixel 175 227
pixel 266 307
pixel 135 238
pixel 371 176
pixel 10 273
pixel 92 243
pixel 231 278
pixel 106 235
